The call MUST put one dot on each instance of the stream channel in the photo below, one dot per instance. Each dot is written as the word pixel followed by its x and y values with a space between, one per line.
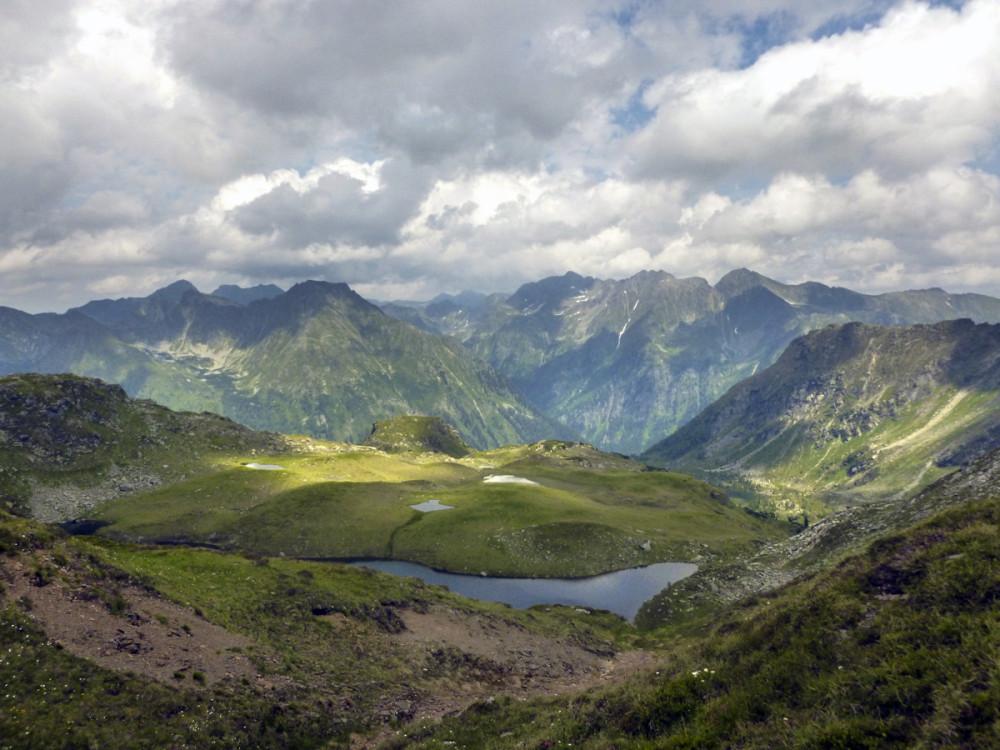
pixel 622 591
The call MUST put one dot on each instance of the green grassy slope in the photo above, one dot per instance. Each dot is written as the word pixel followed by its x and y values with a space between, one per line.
pixel 897 647
pixel 320 638
pixel 850 412
pixel 573 519
pixel 52 698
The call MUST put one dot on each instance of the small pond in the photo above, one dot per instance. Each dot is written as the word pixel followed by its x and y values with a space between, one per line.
pixel 622 591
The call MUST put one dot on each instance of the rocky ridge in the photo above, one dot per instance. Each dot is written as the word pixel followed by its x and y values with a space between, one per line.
pixel 850 411
pixel 69 443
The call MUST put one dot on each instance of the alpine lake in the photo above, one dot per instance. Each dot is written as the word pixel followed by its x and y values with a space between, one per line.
pixel 622 591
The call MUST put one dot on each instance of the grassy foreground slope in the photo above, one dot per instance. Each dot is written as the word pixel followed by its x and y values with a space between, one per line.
pixel 548 509
pixel 896 647
pixel 109 645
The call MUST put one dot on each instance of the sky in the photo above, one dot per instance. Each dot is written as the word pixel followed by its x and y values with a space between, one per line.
pixel 412 148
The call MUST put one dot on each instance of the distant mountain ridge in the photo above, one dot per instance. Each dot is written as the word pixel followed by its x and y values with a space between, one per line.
pixel 620 364
pixel 870 410
pixel 317 359
pixel 625 363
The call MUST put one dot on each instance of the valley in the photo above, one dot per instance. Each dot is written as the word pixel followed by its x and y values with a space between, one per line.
pixel 834 482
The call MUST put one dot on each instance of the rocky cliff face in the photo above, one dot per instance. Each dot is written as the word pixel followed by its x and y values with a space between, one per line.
pixel 58 421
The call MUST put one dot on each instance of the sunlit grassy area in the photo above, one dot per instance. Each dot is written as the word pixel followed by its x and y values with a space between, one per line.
pixel 355 503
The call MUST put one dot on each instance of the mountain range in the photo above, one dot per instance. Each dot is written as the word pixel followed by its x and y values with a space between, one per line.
pixel 619 364
pixel 317 359
pixel 850 412
pixel 625 363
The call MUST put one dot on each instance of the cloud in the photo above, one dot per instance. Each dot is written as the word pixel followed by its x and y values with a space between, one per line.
pixel 429 79
pixel 353 209
pixel 436 146
pixel 907 95
pixel 31 33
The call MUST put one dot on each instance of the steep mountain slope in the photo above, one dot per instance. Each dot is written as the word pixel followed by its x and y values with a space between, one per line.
pixel 321 360
pixel 852 410
pixel 625 363
pixel 68 443
pixel 317 359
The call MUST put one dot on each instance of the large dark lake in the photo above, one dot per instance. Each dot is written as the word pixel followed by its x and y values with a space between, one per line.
pixel 622 592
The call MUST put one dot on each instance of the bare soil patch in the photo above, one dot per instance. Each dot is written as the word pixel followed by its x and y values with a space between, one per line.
pixel 149 635
pixel 511 661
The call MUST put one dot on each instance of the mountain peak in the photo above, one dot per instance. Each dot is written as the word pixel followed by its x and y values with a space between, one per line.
pixel 739 280
pixel 174 292
pixel 315 287
pixel 310 293
pixel 552 290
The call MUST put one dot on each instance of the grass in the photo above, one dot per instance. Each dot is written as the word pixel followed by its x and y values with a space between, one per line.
pixel 52 699
pixel 896 647
pixel 354 503
pixel 800 473
pixel 286 606
pixel 319 632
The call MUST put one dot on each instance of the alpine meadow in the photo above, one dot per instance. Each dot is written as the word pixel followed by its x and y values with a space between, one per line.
pixel 499 375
